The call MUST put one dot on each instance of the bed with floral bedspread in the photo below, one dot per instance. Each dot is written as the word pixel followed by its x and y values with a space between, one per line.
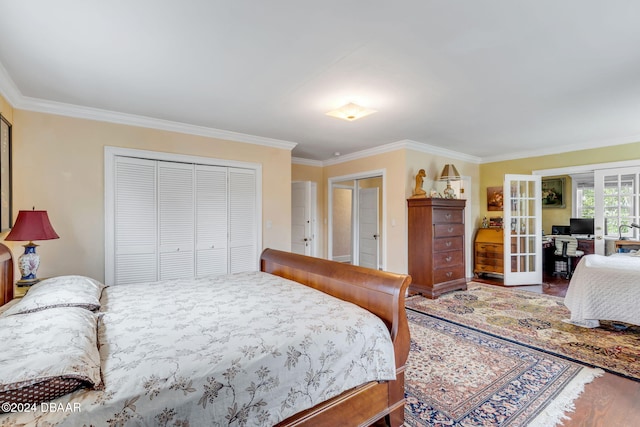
pixel 242 349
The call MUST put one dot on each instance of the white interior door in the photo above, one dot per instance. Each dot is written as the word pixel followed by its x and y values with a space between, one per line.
pixel 243 227
pixel 523 230
pixel 211 220
pixel 176 220
pixel 135 222
pixel 301 230
pixel 368 229
pixel 617 202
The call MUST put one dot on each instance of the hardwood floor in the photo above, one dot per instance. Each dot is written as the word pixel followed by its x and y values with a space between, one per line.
pixel 609 400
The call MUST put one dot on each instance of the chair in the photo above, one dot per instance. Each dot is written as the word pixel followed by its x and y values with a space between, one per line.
pixel 567 249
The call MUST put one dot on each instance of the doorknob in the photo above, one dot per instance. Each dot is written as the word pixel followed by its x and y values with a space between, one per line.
pixel 375 236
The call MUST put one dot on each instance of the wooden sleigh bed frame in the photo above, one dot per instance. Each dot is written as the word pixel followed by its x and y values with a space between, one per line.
pixel 380 292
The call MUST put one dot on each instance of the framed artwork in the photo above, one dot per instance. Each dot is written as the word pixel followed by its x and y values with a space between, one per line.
pixel 553 193
pixel 5 175
pixel 494 198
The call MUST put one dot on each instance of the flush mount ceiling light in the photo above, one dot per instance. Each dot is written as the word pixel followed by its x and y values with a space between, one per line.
pixel 350 112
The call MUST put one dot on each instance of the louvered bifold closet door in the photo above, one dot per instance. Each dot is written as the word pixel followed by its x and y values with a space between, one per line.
pixel 176 220
pixel 135 224
pixel 243 233
pixel 211 220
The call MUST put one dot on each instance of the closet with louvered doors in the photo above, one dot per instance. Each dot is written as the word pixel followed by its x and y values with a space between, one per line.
pixel 174 220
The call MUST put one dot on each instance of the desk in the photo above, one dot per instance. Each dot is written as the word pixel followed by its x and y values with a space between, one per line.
pixel 548 252
pixel 627 245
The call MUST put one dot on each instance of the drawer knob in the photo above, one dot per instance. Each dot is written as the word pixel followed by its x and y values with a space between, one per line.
pixel 449 242
pixel 447 216
pixel 448 259
pixel 449 273
pixel 450 229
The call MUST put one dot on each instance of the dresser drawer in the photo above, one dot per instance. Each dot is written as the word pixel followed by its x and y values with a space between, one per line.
pixel 483 268
pixel 446 259
pixel 480 260
pixel 488 248
pixel 445 230
pixel 445 274
pixel 489 255
pixel 447 216
pixel 447 243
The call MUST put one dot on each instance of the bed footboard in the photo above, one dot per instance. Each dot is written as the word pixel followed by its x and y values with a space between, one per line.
pixel 383 294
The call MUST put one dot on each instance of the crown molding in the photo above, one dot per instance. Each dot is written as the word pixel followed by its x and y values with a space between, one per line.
pixel 306 162
pixel 403 144
pixel 13 95
pixel 8 88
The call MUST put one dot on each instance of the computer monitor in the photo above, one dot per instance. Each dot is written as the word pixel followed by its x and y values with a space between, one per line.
pixel 560 229
pixel 582 226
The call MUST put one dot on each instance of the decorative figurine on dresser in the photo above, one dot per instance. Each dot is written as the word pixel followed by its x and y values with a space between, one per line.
pixel 418 190
pixel 436 246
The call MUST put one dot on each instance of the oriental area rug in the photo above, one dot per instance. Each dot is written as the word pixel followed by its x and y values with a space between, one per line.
pixel 457 376
pixel 536 320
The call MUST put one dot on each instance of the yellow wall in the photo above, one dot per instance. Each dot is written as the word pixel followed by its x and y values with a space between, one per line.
pixel 433 165
pixel 395 192
pixel 59 167
pixel 492 174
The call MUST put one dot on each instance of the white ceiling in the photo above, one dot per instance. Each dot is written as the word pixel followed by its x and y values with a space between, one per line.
pixel 488 78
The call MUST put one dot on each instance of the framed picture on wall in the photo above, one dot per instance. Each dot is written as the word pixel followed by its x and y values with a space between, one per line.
pixel 5 175
pixel 553 193
pixel 494 198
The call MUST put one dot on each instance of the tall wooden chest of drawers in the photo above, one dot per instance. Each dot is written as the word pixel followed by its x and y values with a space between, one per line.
pixel 436 246
pixel 489 251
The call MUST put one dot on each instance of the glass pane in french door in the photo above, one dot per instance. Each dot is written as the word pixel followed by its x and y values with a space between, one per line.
pixel 617 200
pixel 523 237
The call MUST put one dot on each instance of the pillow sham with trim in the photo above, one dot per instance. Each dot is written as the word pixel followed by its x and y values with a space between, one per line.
pixel 61 291
pixel 47 354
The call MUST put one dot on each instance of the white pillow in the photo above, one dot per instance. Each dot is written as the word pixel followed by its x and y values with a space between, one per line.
pixel 61 291
pixel 47 354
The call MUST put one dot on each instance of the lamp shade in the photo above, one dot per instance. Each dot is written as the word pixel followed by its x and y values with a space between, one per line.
pixel 449 173
pixel 32 225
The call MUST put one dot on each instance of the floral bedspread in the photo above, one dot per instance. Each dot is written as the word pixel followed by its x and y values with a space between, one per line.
pixel 247 349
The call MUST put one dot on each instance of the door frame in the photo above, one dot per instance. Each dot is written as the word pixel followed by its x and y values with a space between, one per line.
pixel 356 176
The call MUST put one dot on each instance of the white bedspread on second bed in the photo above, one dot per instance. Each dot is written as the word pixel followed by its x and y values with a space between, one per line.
pixel 605 288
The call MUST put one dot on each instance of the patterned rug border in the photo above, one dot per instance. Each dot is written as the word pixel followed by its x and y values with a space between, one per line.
pixel 549 412
pixel 515 341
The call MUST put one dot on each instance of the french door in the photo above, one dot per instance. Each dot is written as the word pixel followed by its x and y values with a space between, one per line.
pixel 522 230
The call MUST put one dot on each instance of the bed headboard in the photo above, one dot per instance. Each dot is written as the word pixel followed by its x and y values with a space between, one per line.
pixel 6 274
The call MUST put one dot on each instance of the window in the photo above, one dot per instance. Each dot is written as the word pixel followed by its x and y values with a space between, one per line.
pixel 620 194
pixel 585 201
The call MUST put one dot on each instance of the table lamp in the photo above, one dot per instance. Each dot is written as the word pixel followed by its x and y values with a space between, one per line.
pixel 29 226
pixel 633 224
pixel 449 173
